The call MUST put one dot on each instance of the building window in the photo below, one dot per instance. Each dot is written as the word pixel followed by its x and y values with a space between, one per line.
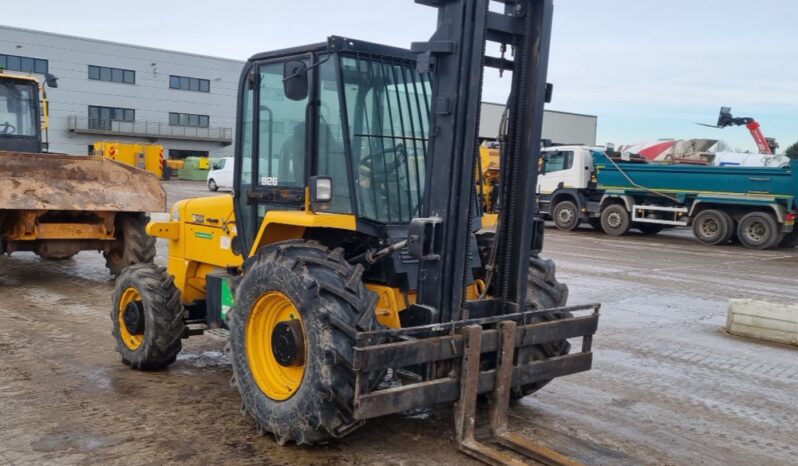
pixel 101 117
pixel 189 84
pixel 24 64
pixel 189 119
pixel 114 75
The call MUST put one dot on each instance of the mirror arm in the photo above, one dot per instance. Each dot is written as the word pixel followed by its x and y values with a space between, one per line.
pixel 313 65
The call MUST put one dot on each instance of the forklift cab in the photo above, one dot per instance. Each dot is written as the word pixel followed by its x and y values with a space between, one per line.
pixel 347 119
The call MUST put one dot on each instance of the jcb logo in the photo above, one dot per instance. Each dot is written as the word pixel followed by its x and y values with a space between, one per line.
pixel 268 181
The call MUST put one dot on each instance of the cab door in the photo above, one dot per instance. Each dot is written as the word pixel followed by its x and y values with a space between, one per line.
pixel 273 160
pixel 559 166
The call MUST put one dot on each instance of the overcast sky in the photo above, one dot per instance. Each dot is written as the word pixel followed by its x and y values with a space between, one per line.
pixel 648 69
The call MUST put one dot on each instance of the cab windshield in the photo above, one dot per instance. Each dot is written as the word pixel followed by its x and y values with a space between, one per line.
pixel 17 109
pixel 387 104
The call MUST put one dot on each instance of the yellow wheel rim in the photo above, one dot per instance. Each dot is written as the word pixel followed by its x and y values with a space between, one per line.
pixel 131 340
pixel 278 382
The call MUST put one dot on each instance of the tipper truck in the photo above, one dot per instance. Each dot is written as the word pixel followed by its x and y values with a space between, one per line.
pixel 753 205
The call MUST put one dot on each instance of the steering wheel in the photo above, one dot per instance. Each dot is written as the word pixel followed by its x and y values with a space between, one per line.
pixel 8 128
pixel 400 157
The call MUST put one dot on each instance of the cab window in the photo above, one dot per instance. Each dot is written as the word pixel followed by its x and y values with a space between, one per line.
pixel 559 161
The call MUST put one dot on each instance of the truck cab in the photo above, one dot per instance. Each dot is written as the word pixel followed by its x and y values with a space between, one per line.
pixel 565 173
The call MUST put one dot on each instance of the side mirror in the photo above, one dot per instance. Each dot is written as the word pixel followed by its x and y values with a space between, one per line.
pixel 549 93
pixel 295 80
pixel 51 81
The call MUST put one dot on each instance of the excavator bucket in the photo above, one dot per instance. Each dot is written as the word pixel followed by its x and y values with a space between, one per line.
pixel 43 182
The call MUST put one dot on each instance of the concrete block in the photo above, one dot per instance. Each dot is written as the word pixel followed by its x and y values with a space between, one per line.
pixel 763 320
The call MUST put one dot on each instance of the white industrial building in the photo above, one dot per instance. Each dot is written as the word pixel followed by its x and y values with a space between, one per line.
pixel 121 92
pixel 109 91
pixel 558 127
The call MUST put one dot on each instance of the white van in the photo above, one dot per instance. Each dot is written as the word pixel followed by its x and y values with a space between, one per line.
pixel 220 175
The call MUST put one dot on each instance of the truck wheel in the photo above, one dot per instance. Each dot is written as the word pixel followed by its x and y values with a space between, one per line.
pixel 566 216
pixel 296 308
pixel 543 292
pixel 132 245
pixel 649 228
pixel 758 230
pixel 712 227
pixel 147 317
pixel 212 186
pixel 615 220
pixel 790 240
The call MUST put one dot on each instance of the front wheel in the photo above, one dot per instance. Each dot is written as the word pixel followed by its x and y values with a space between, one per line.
pixel 566 215
pixel 147 317
pixel 296 307
pixel 212 185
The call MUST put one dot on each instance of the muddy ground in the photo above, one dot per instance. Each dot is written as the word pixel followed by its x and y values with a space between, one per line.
pixel 668 386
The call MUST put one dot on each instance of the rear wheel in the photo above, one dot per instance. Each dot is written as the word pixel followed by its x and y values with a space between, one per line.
pixel 566 215
pixel 132 245
pixel 615 220
pixel 790 240
pixel 758 230
pixel 712 227
pixel 296 306
pixel 147 317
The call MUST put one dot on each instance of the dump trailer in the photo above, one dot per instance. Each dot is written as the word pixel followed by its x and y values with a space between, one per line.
pixel 753 205
pixel 57 205
pixel 353 266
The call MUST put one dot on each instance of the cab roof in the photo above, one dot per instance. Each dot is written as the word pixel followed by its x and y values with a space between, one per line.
pixel 339 44
pixel 6 75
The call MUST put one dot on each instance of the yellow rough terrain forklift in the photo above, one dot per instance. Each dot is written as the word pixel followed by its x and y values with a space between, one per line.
pixel 57 205
pixel 353 265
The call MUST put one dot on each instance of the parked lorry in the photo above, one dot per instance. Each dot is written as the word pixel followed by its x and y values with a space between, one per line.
pixel 754 205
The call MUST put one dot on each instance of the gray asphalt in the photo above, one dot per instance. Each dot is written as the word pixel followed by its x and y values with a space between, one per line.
pixel 668 386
